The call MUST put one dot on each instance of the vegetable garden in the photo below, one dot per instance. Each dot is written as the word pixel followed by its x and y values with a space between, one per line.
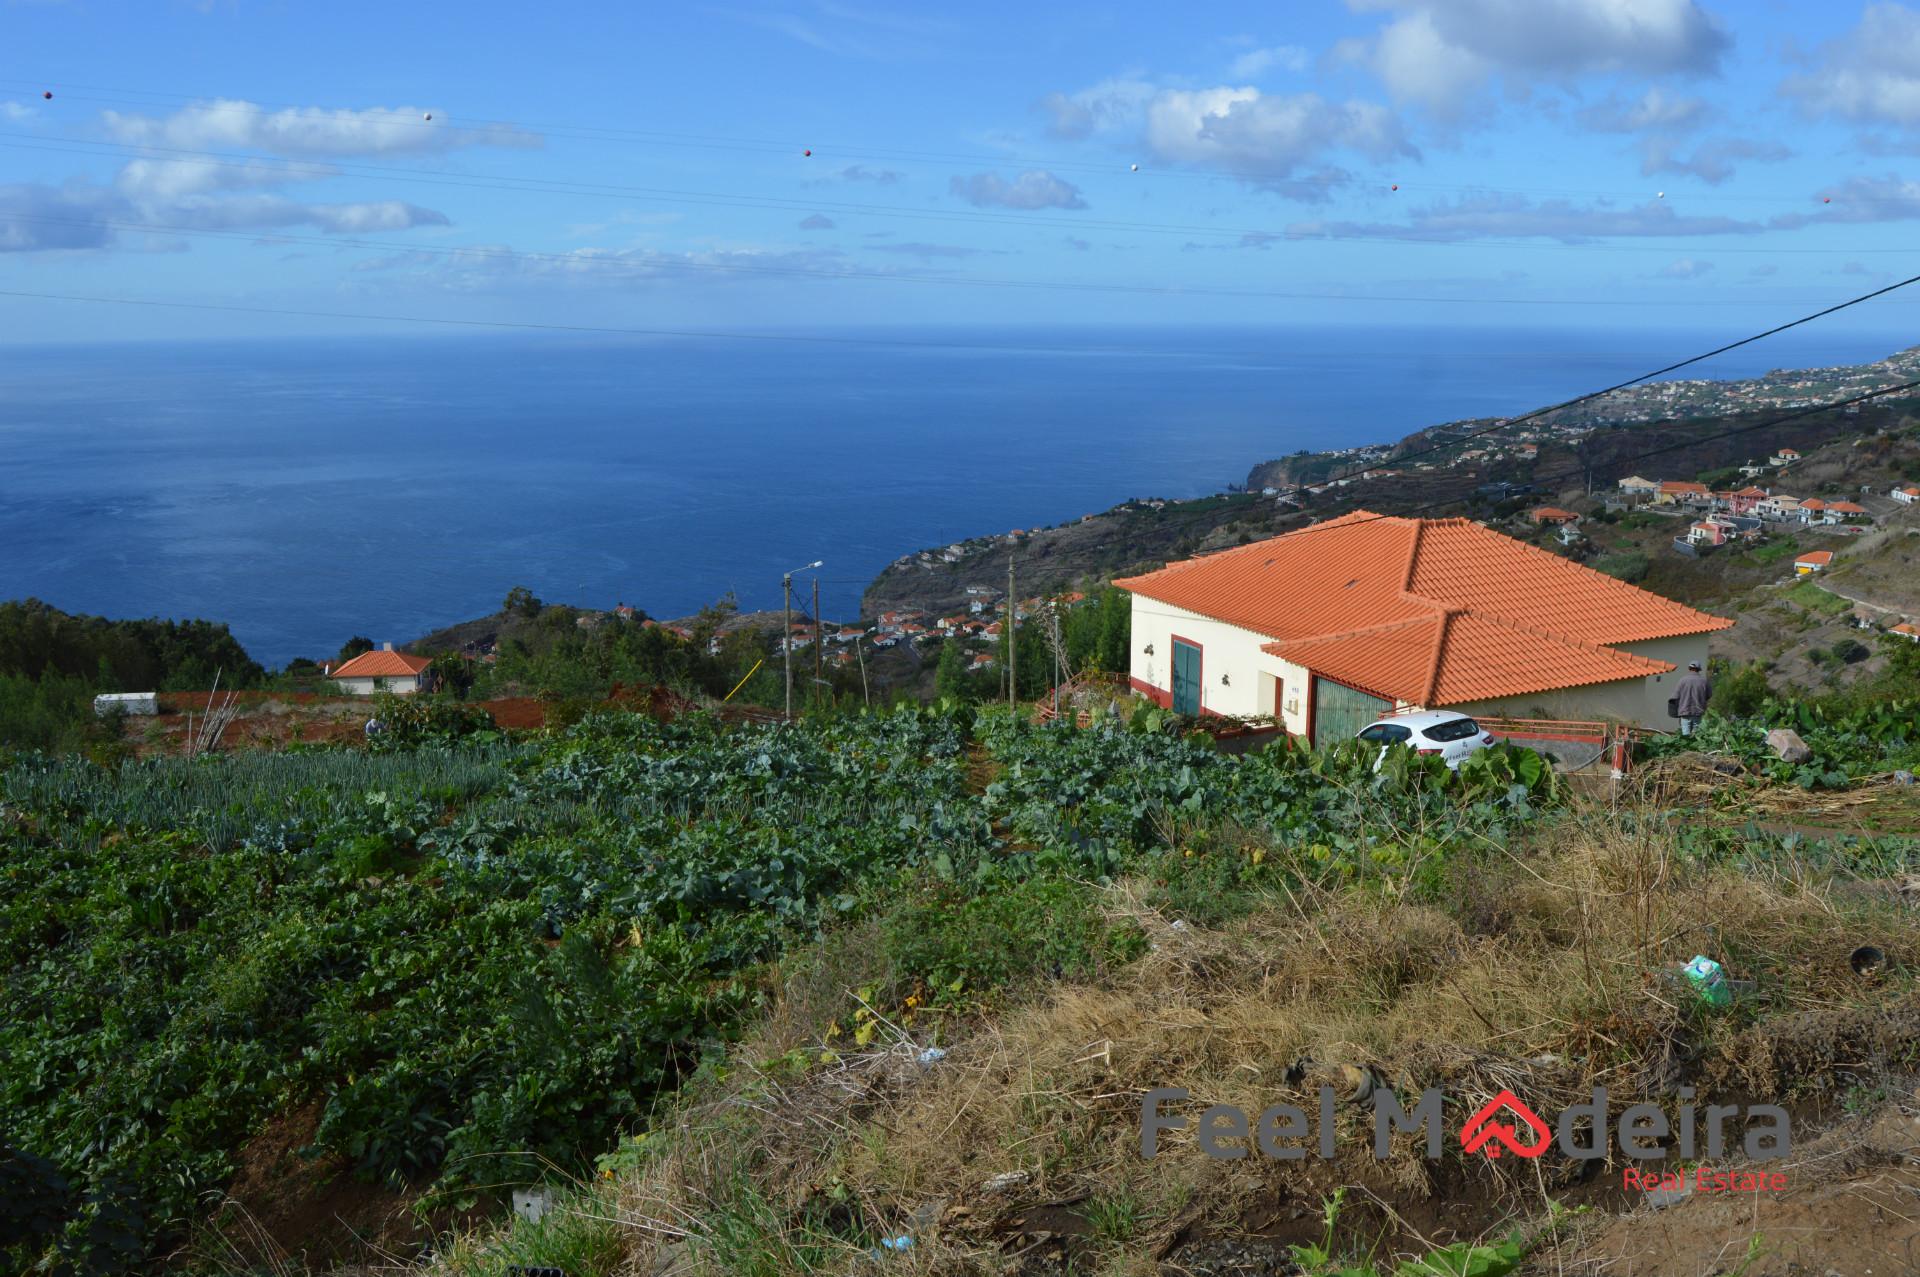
pixel 484 959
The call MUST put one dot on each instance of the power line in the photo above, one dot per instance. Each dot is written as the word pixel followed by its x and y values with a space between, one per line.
pixel 297 170
pixel 1796 415
pixel 1646 376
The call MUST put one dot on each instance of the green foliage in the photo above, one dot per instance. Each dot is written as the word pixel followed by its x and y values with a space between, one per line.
pixel 1462 1259
pixel 52 664
pixel 1741 692
pixel 1097 631
pixel 1810 596
pixel 1849 737
pixel 410 721
pixel 1774 551
pixel 955 942
pixel 557 658
pixel 483 957
pixel 520 601
pixel 1630 566
pixel 358 645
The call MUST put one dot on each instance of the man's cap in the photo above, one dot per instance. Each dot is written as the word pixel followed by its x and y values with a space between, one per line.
pixel 1693 665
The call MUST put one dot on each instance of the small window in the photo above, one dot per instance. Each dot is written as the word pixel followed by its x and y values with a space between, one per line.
pixel 1458 729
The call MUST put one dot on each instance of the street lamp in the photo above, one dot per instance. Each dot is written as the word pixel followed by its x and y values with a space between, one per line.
pixel 786 633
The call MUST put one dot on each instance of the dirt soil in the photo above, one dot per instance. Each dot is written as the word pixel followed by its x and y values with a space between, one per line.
pixel 1851 1207
pixel 283 1206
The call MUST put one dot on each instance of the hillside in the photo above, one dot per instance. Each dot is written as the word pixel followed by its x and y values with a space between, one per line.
pixel 1147 533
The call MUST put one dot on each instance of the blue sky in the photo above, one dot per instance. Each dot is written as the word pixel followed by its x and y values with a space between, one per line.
pixel 1658 163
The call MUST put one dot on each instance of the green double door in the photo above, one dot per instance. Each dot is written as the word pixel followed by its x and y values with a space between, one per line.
pixel 1186 677
pixel 1340 712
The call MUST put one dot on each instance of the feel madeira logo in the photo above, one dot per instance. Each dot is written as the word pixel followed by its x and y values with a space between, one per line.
pixel 1506 1126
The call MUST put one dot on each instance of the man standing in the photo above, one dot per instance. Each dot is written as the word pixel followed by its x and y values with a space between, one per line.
pixel 1690 698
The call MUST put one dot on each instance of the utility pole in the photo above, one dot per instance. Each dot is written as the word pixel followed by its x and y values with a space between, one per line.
pixel 819 636
pixel 1013 663
pixel 861 655
pixel 1053 620
pixel 786 635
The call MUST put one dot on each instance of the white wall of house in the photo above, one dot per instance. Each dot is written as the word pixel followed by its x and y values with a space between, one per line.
pixel 1628 700
pixel 1226 651
pixel 399 685
pixel 1230 651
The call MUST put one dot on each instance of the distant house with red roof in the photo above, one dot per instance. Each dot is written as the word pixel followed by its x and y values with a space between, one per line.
pixel 1906 630
pixel 1680 492
pixel 384 670
pixel 1550 516
pixel 1745 499
pixel 1330 626
pixel 1905 496
pixel 1813 561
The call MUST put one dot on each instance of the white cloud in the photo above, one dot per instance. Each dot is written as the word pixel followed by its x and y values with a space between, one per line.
pixel 1516 217
pixel 926 251
pixel 38 218
pixel 310 131
pixel 1860 200
pixel 861 173
pixel 1266 138
pixel 1109 104
pixel 1685 268
pixel 1712 161
pixel 1255 63
pixel 167 180
pixel 1871 74
pixel 1033 189
pixel 1655 109
pixel 486 267
pixel 1437 52
pixel 15 113
pixel 256 212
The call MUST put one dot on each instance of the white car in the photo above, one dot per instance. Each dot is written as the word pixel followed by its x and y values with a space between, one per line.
pixel 1445 732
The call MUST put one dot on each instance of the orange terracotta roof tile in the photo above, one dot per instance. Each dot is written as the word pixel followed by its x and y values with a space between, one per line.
pixel 383 665
pixel 1820 557
pixel 1431 611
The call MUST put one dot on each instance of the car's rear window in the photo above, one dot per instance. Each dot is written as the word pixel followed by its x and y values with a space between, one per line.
pixel 1458 729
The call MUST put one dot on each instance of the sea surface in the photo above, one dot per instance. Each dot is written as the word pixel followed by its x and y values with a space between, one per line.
pixel 307 491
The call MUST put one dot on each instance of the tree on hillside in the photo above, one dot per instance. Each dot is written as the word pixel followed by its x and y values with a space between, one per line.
pixel 355 646
pixel 950 677
pixel 520 601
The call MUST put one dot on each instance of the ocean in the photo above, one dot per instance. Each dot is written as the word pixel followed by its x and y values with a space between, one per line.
pixel 307 491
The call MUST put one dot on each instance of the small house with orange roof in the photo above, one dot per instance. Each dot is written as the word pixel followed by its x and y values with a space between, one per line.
pixel 1328 627
pixel 1906 496
pixel 1907 631
pixel 1683 492
pixel 1551 516
pixel 1812 561
pixel 384 670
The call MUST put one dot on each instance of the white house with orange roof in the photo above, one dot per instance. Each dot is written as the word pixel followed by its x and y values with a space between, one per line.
pixel 1905 496
pixel 1330 626
pixel 384 670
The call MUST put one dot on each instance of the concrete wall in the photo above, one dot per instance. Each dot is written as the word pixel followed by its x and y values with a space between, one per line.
pixel 397 684
pixel 1226 652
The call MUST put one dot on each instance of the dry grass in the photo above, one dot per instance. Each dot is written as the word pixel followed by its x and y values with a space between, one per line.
pixel 1541 973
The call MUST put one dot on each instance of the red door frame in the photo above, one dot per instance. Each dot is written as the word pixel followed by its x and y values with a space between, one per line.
pixel 1200 679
